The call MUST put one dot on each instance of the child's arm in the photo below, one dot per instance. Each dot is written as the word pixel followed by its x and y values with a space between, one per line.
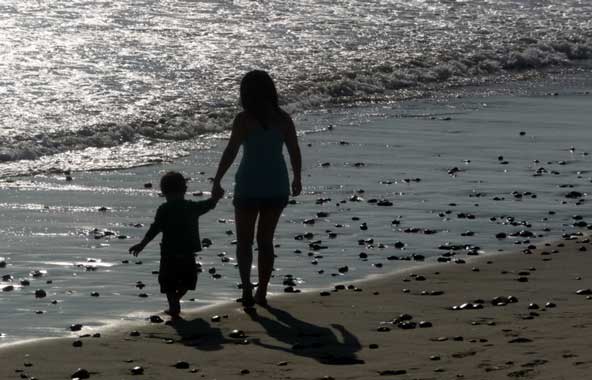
pixel 154 229
pixel 202 207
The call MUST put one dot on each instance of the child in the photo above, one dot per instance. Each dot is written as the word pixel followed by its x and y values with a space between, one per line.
pixel 177 219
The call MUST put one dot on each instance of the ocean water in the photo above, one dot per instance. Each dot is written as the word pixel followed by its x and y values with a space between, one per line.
pixel 384 186
pixel 396 101
pixel 105 84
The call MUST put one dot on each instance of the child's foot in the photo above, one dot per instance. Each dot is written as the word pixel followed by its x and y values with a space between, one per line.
pixel 173 314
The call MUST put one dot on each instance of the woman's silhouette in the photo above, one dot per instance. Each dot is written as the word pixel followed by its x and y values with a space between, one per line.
pixel 262 184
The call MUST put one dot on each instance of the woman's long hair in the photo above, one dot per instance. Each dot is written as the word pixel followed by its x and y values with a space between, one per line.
pixel 258 95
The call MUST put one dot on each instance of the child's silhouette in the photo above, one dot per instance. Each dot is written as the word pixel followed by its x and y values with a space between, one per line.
pixel 177 219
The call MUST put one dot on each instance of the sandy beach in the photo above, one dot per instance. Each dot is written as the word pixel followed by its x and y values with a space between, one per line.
pixel 524 319
pixel 453 183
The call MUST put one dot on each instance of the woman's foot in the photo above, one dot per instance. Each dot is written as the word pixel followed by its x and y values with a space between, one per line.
pixel 247 299
pixel 261 297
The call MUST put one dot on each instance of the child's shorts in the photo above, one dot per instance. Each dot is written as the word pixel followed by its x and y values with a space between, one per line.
pixel 177 273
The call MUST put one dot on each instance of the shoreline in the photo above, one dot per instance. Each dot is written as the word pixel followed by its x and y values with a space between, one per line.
pixel 417 206
pixel 336 332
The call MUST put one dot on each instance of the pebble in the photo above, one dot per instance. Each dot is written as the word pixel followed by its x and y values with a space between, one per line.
pixel 137 370
pixel 80 373
pixel 76 327
pixel 392 372
pixel 181 365
pixel 155 319
pixel 237 334
pixel 40 293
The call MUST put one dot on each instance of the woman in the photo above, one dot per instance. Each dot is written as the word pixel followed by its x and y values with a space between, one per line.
pixel 262 184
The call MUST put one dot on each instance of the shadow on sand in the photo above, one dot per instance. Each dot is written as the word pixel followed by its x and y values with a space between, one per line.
pixel 309 340
pixel 198 333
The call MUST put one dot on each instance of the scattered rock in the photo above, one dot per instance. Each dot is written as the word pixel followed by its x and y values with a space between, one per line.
pixel 80 373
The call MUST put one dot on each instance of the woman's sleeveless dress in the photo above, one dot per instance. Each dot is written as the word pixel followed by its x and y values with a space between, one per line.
pixel 262 176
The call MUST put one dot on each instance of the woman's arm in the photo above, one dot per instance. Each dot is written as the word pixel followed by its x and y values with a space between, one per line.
pixel 236 138
pixel 295 156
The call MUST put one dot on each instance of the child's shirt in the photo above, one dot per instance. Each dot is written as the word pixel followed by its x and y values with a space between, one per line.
pixel 178 220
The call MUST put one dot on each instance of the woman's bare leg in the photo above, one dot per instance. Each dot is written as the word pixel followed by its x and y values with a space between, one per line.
pixel 268 220
pixel 245 229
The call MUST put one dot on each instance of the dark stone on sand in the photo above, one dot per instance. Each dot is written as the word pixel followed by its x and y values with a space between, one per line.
pixel 137 370
pixel 155 319
pixel 325 294
pixel 383 329
pixel 181 365
pixel 584 292
pixel 244 372
pixel 237 334
pixel 80 373
pixel 385 202
pixel 520 340
pixel 343 269
pixel 76 327
pixel 40 293
pixel 501 235
pixel 340 287
pixel 425 324
pixel 574 195
pixel 134 333
pixel 291 289
pixel 550 305
pixel 533 306
pixel 77 343
pixel 215 318
pixel 8 288
pixel 406 325
pixel 94 294
pixel 392 372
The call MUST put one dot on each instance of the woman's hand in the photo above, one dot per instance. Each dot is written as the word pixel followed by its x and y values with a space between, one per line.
pixel 136 249
pixel 296 187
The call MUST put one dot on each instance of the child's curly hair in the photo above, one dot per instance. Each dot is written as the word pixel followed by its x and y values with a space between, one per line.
pixel 173 183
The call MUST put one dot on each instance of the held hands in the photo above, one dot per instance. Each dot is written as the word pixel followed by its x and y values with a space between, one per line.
pixel 136 249
pixel 217 191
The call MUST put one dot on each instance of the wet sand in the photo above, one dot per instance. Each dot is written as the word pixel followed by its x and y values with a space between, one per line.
pixel 370 330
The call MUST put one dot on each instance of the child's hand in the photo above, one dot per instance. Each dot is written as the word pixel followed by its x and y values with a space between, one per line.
pixel 136 249
pixel 217 192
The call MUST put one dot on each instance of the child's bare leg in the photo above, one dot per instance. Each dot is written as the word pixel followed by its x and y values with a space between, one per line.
pixel 174 305
pixel 180 294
